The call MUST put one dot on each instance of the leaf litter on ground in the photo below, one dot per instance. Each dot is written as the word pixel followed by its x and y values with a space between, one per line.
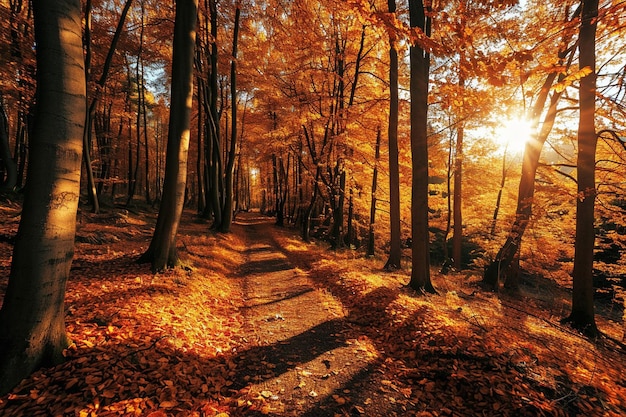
pixel 180 343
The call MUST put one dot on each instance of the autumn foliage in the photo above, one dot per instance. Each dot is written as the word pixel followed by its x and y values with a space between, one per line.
pixel 461 141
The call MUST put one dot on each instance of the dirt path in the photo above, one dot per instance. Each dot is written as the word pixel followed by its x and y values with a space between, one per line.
pixel 301 346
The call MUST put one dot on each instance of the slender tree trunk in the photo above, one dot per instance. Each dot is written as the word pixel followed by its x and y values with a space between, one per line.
pixel 371 248
pixel 446 252
pixel 21 144
pixel 420 68
pixel 199 157
pixel 306 221
pixel 457 209
pixel 227 213
pixel 350 232
pixel 10 168
pixel 337 229
pixel 395 250
pixel 91 188
pixel 162 252
pixel 530 162
pixel 32 318
pixel 496 210
pixel 146 144
pixel 91 183
pixel 582 315
pixel 215 176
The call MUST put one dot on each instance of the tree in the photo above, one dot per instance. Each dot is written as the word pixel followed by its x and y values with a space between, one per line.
pixel 162 252
pixel 8 168
pixel 371 248
pixel 582 314
pixel 395 251
pixel 32 318
pixel 420 66
pixel 227 212
pixel 530 160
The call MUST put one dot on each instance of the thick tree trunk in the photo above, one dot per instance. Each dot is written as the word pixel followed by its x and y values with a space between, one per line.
pixel 395 250
pixel 162 252
pixel 32 318
pixel 420 68
pixel 582 315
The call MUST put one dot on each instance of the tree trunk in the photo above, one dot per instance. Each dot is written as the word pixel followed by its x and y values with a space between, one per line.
pixel 530 163
pixel 496 210
pixel 32 318
pixel 91 188
pixel 10 168
pixel 349 239
pixel 306 220
pixel 457 212
pixel 337 229
pixel 582 315
pixel 371 248
pixel 162 252
pixel 215 158
pixel 199 157
pixel 227 212
pixel 449 173
pixel 420 68
pixel 395 250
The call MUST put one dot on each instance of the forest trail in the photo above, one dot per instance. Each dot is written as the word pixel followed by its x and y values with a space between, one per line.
pixel 303 346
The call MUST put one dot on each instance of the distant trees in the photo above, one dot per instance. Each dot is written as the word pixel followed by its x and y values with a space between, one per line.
pixel 32 318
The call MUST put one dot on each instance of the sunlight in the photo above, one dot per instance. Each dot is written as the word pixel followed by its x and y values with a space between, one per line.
pixel 511 136
pixel 323 380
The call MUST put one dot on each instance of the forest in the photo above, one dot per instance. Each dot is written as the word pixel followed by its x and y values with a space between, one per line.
pixel 312 208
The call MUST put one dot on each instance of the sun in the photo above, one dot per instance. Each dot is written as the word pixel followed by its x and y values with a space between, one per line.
pixel 512 135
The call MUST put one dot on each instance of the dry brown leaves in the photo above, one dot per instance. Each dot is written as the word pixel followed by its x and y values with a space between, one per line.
pixel 175 344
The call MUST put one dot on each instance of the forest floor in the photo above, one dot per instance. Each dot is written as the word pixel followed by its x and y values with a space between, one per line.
pixel 260 323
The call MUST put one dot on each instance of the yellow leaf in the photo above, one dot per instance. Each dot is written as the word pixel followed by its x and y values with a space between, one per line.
pixel 569 80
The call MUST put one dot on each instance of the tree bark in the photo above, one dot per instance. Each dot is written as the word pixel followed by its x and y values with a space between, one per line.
pixel 582 315
pixel 10 168
pixel 371 248
pixel 162 252
pixel 457 207
pixel 395 250
pixel 420 68
pixel 227 212
pixel 32 318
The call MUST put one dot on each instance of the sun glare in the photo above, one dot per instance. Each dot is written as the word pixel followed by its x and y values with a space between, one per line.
pixel 511 136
